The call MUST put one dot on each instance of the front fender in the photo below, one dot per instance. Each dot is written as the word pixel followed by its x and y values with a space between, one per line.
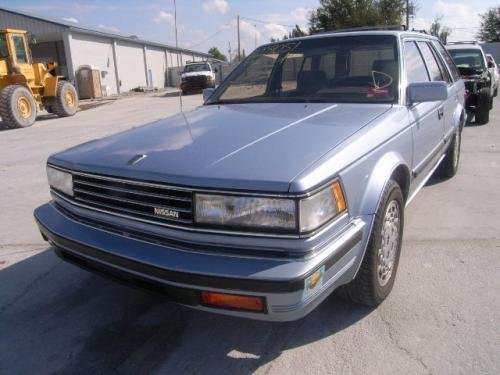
pixel 380 175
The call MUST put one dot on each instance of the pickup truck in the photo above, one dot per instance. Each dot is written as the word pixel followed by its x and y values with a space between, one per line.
pixel 290 181
pixel 197 76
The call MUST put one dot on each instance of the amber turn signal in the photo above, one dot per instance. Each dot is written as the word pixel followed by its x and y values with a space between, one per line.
pixel 339 196
pixel 233 301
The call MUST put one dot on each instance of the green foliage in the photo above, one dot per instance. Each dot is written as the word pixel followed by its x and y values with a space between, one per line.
pixel 490 25
pixel 343 14
pixel 214 51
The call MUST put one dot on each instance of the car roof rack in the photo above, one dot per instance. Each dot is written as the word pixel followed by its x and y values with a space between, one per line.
pixel 464 42
pixel 367 28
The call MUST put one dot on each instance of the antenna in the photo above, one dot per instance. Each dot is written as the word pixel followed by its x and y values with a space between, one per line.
pixel 177 48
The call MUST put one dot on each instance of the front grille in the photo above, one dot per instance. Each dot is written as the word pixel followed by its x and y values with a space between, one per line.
pixel 196 79
pixel 145 201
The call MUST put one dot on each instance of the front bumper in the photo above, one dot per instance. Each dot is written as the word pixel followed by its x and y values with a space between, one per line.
pixel 197 84
pixel 182 275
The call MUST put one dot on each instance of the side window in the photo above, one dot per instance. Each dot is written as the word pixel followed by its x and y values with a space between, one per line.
pixel 327 65
pixel 415 67
pixel 290 69
pixel 21 56
pixel 442 65
pixel 430 62
pixel 448 59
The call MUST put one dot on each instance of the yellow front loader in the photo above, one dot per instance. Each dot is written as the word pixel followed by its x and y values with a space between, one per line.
pixel 26 87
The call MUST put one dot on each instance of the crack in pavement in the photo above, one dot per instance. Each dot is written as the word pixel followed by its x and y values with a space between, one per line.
pixel 398 345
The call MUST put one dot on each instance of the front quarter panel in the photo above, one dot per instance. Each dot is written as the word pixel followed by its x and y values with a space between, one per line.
pixel 365 161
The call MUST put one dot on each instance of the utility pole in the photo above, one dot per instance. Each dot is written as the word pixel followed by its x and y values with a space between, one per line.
pixel 238 27
pixel 407 14
pixel 255 35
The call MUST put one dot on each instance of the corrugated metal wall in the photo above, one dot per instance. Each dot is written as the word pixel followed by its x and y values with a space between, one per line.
pixel 11 20
pixel 95 51
pixel 130 61
pixel 156 64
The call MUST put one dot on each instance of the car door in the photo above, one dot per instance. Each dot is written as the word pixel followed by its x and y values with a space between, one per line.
pixel 426 118
pixel 438 72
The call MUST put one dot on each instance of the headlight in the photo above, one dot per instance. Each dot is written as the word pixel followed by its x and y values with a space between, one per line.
pixel 251 212
pixel 321 207
pixel 59 180
pixel 271 213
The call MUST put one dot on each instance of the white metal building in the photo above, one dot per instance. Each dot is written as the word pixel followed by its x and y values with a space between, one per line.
pixel 124 62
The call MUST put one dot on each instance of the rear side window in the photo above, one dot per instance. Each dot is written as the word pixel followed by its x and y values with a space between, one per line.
pixel 414 64
pixel 442 65
pixel 430 62
pixel 449 61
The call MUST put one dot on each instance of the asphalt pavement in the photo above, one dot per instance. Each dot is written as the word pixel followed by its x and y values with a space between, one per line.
pixel 443 316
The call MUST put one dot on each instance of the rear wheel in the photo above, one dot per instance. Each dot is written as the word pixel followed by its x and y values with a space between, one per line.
pixel 449 165
pixel 17 107
pixel 483 107
pixel 375 277
pixel 66 101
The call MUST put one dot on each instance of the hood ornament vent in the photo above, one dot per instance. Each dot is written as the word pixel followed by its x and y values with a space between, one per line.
pixel 136 159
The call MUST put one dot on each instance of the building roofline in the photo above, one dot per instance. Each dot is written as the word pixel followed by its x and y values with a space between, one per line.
pixel 96 32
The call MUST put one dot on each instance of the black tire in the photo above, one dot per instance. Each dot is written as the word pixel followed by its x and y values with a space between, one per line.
pixel 449 166
pixel 495 93
pixel 483 107
pixel 66 101
pixel 17 107
pixel 367 287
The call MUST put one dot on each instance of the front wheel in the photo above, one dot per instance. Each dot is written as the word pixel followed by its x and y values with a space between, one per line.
pixel 377 272
pixel 66 101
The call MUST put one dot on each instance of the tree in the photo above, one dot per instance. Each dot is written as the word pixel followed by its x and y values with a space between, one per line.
pixel 342 14
pixel 214 51
pixel 295 33
pixel 442 32
pixel 490 25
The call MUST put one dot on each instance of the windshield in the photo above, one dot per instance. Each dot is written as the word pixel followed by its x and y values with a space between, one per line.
pixel 4 51
pixel 196 68
pixel 468 58
pixel 326 69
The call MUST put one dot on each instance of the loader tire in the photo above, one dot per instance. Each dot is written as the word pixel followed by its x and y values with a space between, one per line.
pixel 66 101
pixel 17 107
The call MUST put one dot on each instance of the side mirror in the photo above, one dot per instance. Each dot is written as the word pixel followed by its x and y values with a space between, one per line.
pixel 216 70
pixel 490 64
pixel 427 92
pixel 207 93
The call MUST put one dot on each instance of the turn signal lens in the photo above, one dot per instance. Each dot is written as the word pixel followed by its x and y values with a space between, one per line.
pixel 233 301
pixel 339 196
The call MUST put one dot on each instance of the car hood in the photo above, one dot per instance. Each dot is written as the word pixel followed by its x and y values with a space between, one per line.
pixel 237 146
pixel 207 73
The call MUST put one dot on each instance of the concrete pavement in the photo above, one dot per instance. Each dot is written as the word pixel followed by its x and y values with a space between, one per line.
pixel 442 317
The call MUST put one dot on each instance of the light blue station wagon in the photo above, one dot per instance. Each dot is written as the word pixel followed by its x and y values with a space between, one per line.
pixel 288 183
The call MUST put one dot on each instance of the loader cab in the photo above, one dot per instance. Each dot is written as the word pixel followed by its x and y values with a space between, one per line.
pixel 15 49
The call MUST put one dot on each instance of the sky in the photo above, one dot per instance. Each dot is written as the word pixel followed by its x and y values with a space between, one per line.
pixel 206 23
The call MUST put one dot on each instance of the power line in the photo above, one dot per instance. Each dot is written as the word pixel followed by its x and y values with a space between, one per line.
pixel 221 28
pixel 267 22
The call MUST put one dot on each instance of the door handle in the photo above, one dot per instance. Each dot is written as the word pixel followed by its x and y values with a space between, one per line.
pixel 440 113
